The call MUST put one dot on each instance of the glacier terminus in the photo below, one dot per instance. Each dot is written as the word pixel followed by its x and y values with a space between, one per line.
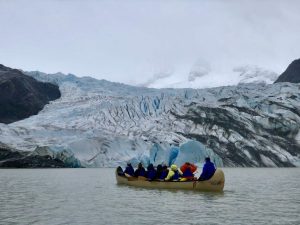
pixel 105 124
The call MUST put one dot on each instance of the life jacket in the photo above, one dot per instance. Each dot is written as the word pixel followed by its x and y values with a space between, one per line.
pixel 193 168
pixel 185 166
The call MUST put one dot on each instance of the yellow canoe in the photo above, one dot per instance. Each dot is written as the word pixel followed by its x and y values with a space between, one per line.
pixel 216 183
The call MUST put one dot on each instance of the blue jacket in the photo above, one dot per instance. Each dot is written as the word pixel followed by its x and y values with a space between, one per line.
pixel 140 172
pixel 208 171
pixel 158 171
pixel 176 175
pixel 163 174
pixel 151 174
pixel 187 173
pixel 129 170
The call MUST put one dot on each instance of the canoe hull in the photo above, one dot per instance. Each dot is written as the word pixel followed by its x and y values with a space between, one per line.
pixel 216 183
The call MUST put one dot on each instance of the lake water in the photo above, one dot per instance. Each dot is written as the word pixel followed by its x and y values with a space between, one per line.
pixel 91 196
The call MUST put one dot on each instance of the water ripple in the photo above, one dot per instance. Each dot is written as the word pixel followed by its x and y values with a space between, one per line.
pixel 91 196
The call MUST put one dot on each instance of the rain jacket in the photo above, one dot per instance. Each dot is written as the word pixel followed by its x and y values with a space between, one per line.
pixel 164 174
pixel 159 170
pixel 129 170
pixel 208 171
pixel 151 172
pixel 173 173
pixel 140 172
pixel 188 174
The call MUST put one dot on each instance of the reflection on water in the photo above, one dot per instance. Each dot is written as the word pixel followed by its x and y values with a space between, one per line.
pixel 91 196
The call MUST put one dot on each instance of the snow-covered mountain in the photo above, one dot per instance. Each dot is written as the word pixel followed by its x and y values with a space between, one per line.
pixel 105 123
pixel 201 75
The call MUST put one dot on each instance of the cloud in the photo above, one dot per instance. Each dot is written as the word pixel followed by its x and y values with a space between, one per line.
pixel 156 78
pixel 200 69
pixel 129 41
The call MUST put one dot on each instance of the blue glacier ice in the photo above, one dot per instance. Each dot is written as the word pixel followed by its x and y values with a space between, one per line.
pixel 140 159
pixel 159 153
pixel 174 151
pixel 190 151
pixel 196 152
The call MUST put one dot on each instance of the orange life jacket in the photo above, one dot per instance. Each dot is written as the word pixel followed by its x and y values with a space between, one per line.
pixel 192 167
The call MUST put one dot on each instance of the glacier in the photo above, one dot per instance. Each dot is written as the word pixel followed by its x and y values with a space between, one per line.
pixel 105 124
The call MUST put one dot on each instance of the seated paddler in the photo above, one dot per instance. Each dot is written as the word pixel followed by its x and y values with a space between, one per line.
pixel 158 171
pixel 129 171
pixel 140 171
pixel 187 170
pixel 208 171
pixel 173 174
pixel 164 173
pixel 151 172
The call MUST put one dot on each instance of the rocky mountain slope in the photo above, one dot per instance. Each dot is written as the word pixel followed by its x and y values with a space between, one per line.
pixel 22 96
pixel 291 74
pixel 106 124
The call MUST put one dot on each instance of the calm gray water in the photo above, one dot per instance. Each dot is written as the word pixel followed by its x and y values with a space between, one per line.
pixel 91 196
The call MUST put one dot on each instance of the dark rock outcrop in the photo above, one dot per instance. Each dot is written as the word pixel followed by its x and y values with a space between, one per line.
pixel 12 158
pixel 291 74
pixel 23 96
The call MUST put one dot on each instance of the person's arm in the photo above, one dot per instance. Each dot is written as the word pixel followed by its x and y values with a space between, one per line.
pixel 170 175
pixel 204 171
pixel 180 172
pixel 126 170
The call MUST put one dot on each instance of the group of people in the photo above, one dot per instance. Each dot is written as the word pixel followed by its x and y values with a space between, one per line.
pixel 163 173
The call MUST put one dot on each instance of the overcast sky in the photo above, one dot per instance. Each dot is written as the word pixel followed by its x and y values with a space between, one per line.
pixel 132 41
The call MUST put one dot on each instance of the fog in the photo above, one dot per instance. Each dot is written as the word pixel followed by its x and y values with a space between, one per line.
pixel 139 42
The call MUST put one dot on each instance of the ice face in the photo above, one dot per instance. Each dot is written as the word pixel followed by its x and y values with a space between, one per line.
pixel 190 151
pixel 106 124
pixel 195 152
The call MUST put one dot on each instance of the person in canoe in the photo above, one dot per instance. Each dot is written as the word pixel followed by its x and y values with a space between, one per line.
pixel 173 174
pixel 208 171
pixel 140 171
pixel 129 171
pixel 164 173
pixel 188 170
pixel 158 171
pixel 151 172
